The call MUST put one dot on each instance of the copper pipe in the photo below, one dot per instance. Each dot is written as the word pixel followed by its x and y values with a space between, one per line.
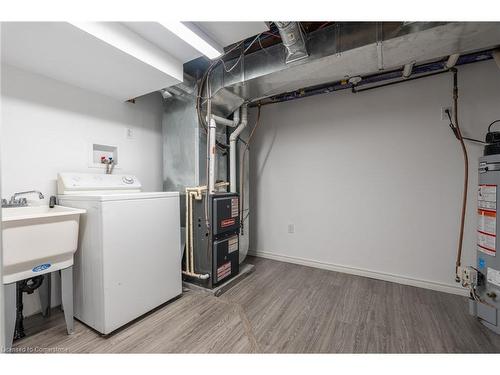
pixel 466 173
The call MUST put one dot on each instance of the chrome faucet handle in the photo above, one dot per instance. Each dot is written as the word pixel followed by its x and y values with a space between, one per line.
pixel 40 195
pixel 22 202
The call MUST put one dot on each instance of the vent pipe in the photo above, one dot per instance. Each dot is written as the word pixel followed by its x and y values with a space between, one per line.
pixel 232 148
pixel 293 40
pixel 231 123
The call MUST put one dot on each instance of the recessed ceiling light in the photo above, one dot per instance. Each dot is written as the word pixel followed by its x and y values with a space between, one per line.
pixel 192 38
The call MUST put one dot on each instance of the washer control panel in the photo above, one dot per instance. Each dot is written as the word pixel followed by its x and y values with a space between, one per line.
pixel 67 182
pixel 129 180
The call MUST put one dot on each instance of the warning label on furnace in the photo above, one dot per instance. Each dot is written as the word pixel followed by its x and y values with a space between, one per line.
pixel 224 271
pixel 232 244
pixel 487 219
pixel 234 207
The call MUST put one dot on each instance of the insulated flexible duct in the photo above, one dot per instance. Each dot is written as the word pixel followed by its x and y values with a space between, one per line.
pixel 293 40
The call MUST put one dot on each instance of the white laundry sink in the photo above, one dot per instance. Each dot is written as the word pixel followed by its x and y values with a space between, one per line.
pixel 38 240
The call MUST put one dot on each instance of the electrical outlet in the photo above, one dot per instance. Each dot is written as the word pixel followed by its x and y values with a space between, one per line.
pixel 468 276
pixel 444 116
pixel 291 228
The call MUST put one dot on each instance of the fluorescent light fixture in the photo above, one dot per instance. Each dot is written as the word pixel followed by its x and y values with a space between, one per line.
pixel 192 38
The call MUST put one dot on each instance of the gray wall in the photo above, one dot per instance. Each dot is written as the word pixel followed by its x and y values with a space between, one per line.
pixel 372 181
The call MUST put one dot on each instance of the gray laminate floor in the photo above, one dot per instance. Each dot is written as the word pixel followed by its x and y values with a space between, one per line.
pixel 286 308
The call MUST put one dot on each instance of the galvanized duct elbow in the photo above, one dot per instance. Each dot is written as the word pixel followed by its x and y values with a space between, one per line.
pixel 293 40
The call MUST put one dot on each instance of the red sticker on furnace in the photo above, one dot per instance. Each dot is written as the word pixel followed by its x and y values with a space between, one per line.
pixel 227 223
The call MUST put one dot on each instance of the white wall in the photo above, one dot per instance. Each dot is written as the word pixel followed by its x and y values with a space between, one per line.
pixel 372 181
pixel 49 127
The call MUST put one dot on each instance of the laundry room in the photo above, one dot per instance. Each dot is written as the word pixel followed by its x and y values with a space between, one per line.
pixel 324 185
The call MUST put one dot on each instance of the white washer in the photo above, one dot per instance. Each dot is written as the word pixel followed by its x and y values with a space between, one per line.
pixel 129 258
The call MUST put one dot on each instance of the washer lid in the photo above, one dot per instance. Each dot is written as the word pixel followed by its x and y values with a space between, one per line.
pixel 93 183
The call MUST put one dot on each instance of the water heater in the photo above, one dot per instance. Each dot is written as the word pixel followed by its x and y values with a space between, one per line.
pixel 485 301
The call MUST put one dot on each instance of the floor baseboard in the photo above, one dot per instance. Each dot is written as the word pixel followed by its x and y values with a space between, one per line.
pixel 363 272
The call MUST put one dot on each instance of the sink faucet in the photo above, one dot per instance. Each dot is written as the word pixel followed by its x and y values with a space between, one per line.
pixel 21 202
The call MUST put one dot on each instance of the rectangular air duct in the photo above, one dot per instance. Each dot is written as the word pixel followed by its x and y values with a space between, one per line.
pixel 344 50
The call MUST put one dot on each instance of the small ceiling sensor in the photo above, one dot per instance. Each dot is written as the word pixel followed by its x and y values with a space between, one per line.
pixel 354 80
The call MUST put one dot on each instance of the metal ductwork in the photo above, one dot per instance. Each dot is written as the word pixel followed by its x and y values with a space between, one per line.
pixel 344 50
pixel 184 89
pixel 293 40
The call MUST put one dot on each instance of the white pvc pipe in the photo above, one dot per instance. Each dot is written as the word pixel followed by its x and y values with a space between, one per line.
pixel 212 154
pixel 232 148
pixel 214 119
pixel 226 122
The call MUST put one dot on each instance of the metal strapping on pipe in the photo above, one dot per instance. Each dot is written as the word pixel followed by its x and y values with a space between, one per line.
pixel 407 70
pixel 452 61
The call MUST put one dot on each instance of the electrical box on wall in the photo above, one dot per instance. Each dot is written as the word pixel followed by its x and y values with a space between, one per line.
pixel 98 152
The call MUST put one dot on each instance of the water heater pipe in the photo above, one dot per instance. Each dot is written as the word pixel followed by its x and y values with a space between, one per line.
pixel 232 148
pixel 466 172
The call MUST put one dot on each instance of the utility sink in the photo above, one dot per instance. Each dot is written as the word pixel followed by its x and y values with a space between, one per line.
pixel 38 240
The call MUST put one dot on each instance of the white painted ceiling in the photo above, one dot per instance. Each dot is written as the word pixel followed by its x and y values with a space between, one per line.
pixel 226 33
pixel 121 60
pixel 222 33
pixel 164 39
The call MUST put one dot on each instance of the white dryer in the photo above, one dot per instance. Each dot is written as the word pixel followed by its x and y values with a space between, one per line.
pixel 129 258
